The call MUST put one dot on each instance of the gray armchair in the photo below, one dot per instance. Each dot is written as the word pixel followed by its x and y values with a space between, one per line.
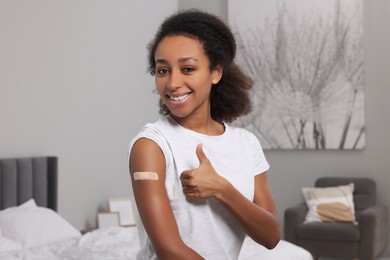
pixel 366 240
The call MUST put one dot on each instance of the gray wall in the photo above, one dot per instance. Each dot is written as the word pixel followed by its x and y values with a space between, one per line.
pixel 216 7
pixel 73 83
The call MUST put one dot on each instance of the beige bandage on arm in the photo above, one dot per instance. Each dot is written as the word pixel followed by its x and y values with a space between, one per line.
pixel 142 176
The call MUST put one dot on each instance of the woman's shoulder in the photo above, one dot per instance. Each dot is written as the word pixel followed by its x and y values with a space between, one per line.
pixel 153 131
pixel 156 127
pixel 236 130
pixel 243 136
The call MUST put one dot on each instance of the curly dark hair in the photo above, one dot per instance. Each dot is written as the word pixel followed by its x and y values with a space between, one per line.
pixel 229 98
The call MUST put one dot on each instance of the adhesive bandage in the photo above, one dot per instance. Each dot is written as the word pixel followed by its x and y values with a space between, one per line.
pixel 141 176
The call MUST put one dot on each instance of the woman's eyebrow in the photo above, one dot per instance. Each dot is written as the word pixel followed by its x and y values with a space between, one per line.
pixel 181 60
pixel 188 59
pixel 163 61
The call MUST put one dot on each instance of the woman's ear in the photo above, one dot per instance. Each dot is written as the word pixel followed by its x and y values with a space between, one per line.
pixel 217 74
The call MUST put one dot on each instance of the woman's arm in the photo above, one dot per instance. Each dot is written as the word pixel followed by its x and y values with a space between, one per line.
pixel 257 218
pixel 153 203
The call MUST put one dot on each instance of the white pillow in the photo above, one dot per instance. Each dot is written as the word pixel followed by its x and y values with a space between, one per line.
pixel 330 204
pixel 28 204
pixel 31 226
pixel 8 245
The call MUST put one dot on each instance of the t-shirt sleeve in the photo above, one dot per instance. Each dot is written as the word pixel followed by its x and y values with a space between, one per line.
pixel 260 162
pixel 152 134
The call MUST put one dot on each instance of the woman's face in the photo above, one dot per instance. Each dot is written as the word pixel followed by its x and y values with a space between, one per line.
pixel 183 76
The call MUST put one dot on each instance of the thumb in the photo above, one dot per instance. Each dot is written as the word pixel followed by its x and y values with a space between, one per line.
pixel 200 154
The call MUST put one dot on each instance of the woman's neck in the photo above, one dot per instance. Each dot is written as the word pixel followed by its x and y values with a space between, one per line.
pixel 201 124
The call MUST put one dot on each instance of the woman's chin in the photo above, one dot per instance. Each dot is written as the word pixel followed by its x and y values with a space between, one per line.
pixel 178 115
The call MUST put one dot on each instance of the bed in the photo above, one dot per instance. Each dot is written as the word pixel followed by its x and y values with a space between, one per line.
pixel 31 229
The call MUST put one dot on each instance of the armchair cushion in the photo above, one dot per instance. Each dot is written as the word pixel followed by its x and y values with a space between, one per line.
pixel 329 231
pixel 330 204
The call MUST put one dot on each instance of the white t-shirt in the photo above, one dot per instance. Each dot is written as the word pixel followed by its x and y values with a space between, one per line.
pixel 204 225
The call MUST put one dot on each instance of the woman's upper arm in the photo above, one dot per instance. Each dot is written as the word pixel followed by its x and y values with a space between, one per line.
pixel 263 195
pixel 151 196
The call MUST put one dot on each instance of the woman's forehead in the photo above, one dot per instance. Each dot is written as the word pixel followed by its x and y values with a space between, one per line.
pixel 179 47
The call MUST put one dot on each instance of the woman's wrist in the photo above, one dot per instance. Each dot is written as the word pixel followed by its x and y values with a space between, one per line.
pixel 223 188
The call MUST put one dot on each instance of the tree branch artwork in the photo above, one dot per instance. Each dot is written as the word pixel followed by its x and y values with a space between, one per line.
pixel 308 71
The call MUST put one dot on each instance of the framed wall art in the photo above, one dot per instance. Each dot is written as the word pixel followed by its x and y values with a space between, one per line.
pixel 124 207
pixel 107 219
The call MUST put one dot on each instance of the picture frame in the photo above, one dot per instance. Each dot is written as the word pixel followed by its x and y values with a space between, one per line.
pixel 124 207
pixel 107 219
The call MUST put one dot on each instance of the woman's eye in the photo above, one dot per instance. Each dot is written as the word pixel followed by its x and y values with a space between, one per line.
pixel 162 71
pixel 188 70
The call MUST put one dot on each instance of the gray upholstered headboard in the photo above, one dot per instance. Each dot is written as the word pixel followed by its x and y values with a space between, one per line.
pixel 24 178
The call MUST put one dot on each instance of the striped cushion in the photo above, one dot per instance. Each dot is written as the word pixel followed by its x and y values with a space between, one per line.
pixel 330 204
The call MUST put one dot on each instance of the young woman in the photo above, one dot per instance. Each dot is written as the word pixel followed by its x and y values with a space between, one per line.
pixel 200 184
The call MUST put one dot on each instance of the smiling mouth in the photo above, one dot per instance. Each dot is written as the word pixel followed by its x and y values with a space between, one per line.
pixel 179 98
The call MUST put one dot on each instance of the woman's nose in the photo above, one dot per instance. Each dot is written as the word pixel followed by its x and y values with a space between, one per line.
pixel 175 80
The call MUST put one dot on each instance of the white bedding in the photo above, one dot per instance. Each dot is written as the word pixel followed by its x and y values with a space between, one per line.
pixel 117 243
pixel 283 251
pixel 114 243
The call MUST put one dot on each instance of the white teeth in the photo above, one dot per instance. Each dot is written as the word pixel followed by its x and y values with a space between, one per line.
pixel 180 98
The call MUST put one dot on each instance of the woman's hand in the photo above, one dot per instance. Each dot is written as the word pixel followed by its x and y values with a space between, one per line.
pixel 202 182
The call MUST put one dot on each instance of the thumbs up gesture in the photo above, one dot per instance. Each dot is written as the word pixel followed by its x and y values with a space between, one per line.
pixel 202 182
